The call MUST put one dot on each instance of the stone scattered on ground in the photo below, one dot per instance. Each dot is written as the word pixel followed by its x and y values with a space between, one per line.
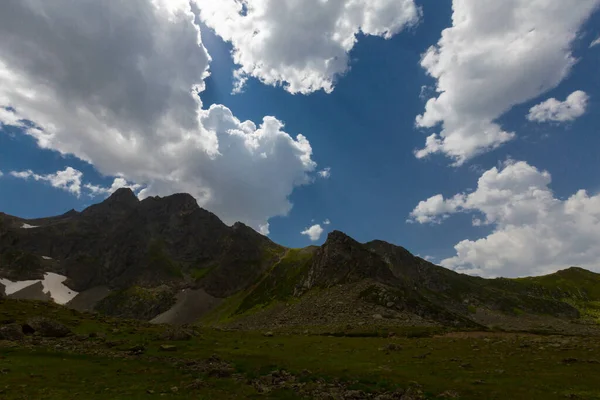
pixel 449 394
pixel 168 347
pixel 392 347
pixel 176 334
pixel 320 389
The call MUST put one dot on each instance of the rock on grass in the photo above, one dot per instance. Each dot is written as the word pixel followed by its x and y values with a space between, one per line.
pixel 47 327
pixel 12 332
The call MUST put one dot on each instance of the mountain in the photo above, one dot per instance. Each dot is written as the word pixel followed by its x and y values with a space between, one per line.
pixel 168 260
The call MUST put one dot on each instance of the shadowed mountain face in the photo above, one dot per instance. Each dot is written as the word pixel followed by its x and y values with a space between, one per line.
pixel 123 242
pixel 144 254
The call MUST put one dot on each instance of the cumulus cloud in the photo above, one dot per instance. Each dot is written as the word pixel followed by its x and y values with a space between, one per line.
pixel 560 111
pixel 497 54
pixel 327 222
pixel 9 118
pixel 325 173
pixel 433 210
pixel 118 183
pixel 595 42
pixel 534 232
pixel 123 92
pixel 301 44
pixel 69 179
pixel 314 232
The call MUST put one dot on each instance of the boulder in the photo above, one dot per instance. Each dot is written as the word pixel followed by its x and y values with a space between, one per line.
pixel 46 327
pixel 12 332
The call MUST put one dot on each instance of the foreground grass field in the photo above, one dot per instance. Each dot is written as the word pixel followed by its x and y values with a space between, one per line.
pixel 124 360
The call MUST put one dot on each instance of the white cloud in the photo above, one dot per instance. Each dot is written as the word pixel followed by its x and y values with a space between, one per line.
pixel 118 183
pixel 9 118
pixel 264 229
pixel 69 179
pixel 427 258
pixel 497 54
pixel 301 44
pixel 314 232
pixel 533 231
pixel 433 210
pixel 554 110
pixel 325 173
pixel 595 42
pixel 327 222
pixel 122 91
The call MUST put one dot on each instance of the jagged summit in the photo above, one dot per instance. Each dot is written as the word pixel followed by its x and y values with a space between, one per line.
pixel 122 194
pixel 178 203
pixel 338 237
pixel 72 212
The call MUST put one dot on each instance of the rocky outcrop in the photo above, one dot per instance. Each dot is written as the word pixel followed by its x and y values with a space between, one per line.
pixel 343 260
pixel 46 327
pixel 12 332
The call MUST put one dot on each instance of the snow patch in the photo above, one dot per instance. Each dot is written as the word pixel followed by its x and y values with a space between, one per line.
pixel 47 258
pixel 11 287
pixel 27 226
pixel 52 283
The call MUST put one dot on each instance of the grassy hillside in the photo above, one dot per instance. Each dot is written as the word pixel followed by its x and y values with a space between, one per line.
pixel 122 359
pixel 575 286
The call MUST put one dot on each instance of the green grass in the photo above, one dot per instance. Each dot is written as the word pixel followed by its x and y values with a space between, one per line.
pixel 275 286
pixel 19 261
pixel 575 283
pixel 199 273
pixel 159 260
pixel 279 284
pixel 477 366
pixel 137 302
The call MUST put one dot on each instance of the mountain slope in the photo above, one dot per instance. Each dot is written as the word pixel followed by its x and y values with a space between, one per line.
pixel 123 242
pixel 168 257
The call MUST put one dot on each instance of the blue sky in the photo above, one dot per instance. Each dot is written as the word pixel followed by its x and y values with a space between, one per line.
pixel 365 132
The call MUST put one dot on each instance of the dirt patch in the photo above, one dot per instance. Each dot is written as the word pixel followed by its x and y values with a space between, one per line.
pixel 190 306
pixel 87 300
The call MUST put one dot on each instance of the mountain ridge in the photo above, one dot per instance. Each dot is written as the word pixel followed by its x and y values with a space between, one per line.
pixel 147 251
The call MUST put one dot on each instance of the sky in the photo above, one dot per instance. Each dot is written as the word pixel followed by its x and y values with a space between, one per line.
pixel 466 131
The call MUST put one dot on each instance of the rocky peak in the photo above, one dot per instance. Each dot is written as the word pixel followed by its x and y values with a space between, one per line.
pixel 342 259
pixel 124 196
pixel 182 199
pixel 337 238
pixel 121 202
pixel 179 203
pixel 71 213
